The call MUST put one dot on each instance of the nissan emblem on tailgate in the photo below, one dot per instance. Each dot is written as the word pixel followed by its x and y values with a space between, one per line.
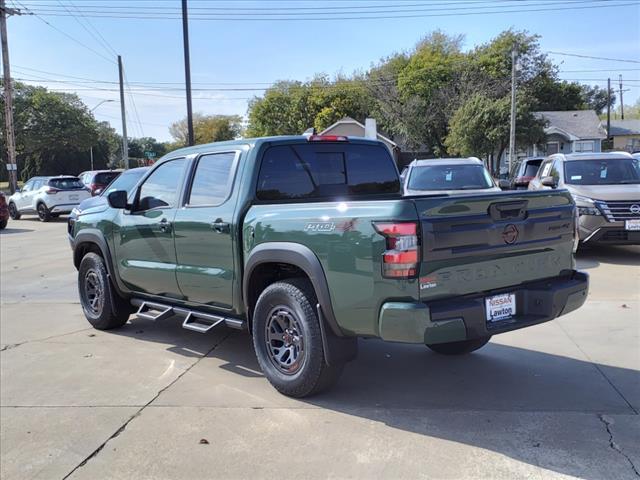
pixel 510 234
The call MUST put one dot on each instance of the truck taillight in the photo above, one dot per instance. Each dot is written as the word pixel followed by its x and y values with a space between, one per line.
pixel 401 257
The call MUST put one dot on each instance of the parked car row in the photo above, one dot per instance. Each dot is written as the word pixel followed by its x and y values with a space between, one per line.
pixel 49 197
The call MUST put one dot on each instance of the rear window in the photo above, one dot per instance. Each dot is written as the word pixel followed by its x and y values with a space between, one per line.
pixel 449 177
pixel 105 178
pixel 532 168
pixel 66 183
pixel 313 171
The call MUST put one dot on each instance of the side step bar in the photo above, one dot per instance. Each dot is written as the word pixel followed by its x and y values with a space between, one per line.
pixel 193 320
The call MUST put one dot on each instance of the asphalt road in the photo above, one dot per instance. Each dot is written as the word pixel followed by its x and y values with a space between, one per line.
pixel 152 400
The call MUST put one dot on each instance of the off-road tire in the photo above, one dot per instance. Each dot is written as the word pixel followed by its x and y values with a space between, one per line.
pixel 314 375
pixel 43 212
pixel 3 223
pixel 110 311
pixel 13 211
pixel 460 348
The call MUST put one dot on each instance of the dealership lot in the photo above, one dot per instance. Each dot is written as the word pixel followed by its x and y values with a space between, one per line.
pixel 156 401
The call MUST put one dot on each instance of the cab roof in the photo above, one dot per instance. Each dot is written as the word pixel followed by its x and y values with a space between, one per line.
pixel 593 156
pixel 447 161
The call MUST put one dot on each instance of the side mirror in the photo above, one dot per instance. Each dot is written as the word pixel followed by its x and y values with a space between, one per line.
pixel 504 184
pixel 118 199
pixel 549 182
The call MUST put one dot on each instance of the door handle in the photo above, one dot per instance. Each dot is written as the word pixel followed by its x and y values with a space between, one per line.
pixel 165 226
pixel 220 227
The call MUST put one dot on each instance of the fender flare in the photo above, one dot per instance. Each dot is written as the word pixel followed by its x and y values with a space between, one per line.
pixel 301 257
pixel 96 237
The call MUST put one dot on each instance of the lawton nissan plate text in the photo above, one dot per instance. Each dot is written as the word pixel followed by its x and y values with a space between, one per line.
pixel 308 243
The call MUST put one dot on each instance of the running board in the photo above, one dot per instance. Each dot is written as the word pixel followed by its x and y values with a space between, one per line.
pixel 154 311
pixel 193 320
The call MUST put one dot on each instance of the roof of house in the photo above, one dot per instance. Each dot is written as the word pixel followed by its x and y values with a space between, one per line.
pixel 575 124
pixel 346 120
pixel 625 127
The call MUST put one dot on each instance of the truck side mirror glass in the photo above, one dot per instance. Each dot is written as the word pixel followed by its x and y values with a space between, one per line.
pixel 118 199
pixel 549 182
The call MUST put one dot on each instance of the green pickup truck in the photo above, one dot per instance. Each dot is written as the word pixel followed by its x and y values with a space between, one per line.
pixel 307 242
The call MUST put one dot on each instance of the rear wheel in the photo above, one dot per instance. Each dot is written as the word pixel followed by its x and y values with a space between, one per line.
pixel 13 211
pixel 3 223
pixel 102 306
pixel 43 213
pixel 288 341
pixel 460 348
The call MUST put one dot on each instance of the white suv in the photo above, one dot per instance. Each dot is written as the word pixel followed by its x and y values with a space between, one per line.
pixel 48 197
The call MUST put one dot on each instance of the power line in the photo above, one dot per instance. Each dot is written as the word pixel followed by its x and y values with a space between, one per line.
pixel 84 27
pixel 39 17
pixel 104 41
pixel 594 58
pixel 325 16
pixel 269 11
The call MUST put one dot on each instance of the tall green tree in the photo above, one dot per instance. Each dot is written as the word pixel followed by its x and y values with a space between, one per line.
pixel 290 108
pixel 480 127
pixel 54 133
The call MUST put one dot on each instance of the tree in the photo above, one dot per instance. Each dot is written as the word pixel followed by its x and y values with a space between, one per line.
pixel 481 127
pixel 206 129
pixel 54 132
pixel 290 108
pixel 139 146
pixel 596 98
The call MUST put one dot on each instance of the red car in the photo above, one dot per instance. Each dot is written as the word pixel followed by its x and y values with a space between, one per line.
pixel 4 212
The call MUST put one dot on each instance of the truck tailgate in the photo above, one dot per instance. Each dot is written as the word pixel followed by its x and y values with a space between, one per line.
pixel 474 243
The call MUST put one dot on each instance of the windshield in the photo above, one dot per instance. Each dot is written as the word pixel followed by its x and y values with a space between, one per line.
pixel 66 183
pixel 611 171
pixel 449 177
pixel 126 181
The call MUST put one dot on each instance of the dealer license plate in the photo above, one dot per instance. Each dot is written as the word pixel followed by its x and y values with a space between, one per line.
pixel 500 307
pixel 74 197
pixel 633 225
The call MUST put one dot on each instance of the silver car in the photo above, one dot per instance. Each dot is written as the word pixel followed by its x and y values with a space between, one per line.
pixel 606 189
pixel 449 176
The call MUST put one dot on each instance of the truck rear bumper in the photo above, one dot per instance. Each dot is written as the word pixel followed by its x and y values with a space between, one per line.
pixel 464 318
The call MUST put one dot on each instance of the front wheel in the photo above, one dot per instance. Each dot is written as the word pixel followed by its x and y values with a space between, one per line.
pixel 43 213
pixel 460 348
pixel 102 306
pixel 288 341
pixel 13 211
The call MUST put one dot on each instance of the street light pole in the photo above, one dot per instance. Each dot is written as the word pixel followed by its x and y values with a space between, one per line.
pixel 92 110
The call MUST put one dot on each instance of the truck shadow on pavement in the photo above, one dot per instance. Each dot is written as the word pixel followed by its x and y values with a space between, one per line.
pixel 501 398
pixel 592 257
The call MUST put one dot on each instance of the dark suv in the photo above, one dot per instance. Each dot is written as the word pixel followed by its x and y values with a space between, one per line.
pixel 96 180
pixel 523 172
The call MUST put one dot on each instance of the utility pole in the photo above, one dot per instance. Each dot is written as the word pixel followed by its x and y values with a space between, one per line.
pixel 621 99
pixel 608 108
pixel 12 168
pixel 512 130
pixel 125 140
pixel 187 71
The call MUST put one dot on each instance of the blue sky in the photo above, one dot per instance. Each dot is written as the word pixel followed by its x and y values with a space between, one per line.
pixel 243 52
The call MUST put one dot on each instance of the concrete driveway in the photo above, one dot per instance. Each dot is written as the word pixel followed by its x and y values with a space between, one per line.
pixel 155 401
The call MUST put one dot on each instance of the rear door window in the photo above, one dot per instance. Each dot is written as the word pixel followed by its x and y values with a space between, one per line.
pixel 212 179
pixel 320 171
